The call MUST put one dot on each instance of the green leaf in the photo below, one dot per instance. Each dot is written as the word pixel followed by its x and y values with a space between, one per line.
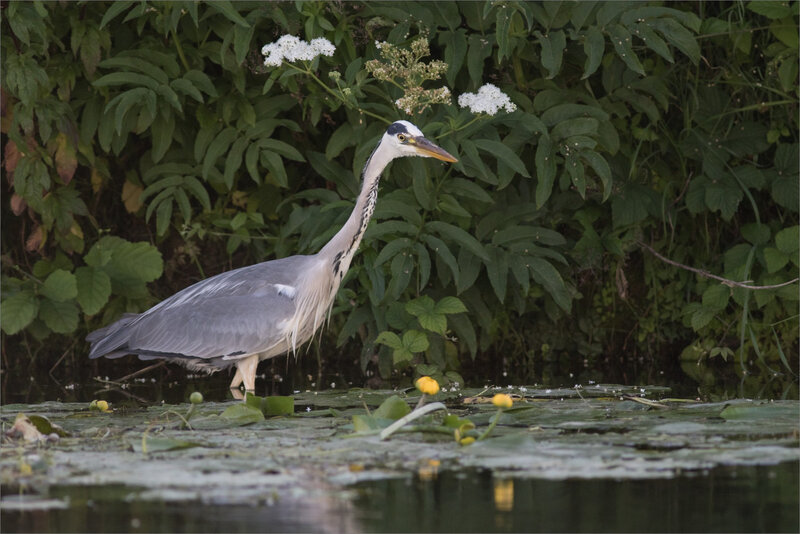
pixel 392 408
pixel 242 414
pixel 390 339
pixel 622 41
pixel 574 127
pixel 59 286
pixel 594 47
pixel 114 9
pixel 756 233
pixel 467 189
pixel 150 443
pixel 443 252
pixel 415 341
pixel 775 259
pixel 716 297
pixel 504 154
pixel 601 167
pixel 450 305
pixel 545 274
pixel 497 270
pixel 125 78
pixel 392 249
pixel 274 163
pixel 342 138
pixel 771 9
pixel 723 195
pixel 679 36
pixel 94 289
pixel 788 239
pixel 161 132
pixel 552 51
pixel 18 311
pixel 139 261
pixel 226 8
pixel 545 171
pixel 217 148
pixel 276 405
pixel 454 233
pixel 420 306
pixel 145 67
pixel 60 317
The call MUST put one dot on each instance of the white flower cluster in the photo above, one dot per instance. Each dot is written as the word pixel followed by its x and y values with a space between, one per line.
pixel 291 48
pixel 489 99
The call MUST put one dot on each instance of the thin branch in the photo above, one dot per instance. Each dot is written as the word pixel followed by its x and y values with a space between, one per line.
pixel 701 272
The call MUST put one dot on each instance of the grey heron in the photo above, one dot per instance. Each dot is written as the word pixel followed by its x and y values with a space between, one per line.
pixel 240 317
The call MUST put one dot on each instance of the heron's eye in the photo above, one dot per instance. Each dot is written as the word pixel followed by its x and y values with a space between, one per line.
pixel 401 137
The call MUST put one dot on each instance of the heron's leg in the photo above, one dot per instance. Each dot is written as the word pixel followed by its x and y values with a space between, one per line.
pixel 247 369
pixel 237 379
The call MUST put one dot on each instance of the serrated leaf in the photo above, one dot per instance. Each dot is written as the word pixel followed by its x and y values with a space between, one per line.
pixel 594 46
pixel 775 259
pixel 94 289
pixel 216 149
pixel 226 8
pixel 125 78
pixel 18 311
pixel 60 317
pixel 545 171
pixel 678 36
pixel 552 51
pixel 450 305
pixel 442 250
pixel 458 235
pixel 621 39
pixel 756 233
pixel 788 239
pixel 502 153
pixel 59 286
pixel 548 277
pixel 716 297
pixel 390 339
pixel 415 341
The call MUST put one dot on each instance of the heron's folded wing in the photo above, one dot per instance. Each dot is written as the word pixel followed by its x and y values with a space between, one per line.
pixel 213 328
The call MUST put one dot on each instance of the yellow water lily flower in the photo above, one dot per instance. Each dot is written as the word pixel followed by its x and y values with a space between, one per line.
pixel 502 401
pixel 427 385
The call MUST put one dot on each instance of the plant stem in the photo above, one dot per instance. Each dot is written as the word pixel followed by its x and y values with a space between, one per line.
pixel 492 424
pixel 338 96
pixel 179 48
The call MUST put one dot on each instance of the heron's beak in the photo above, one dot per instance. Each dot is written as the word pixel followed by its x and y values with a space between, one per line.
pixel 429 150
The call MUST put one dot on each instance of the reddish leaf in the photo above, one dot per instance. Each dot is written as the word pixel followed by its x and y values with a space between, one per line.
pixel 130 196
pixel 18 204
pixel 11 159
pixel 66 160
pixel 35 240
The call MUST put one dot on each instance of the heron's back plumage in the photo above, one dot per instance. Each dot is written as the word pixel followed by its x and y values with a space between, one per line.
pixel 216 321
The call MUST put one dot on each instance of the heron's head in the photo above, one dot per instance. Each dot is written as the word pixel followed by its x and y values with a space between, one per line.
pixel 407 140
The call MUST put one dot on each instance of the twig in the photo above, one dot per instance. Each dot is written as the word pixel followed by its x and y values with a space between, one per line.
pixel 139 372
pixel 701 272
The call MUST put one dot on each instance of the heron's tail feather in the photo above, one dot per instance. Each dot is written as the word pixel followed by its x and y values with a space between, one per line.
pixel 107 341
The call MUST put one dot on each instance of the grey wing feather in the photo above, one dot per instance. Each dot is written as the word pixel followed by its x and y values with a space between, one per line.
pixel 234 313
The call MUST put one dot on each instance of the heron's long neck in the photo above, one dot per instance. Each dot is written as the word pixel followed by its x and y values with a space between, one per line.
pixel 341 248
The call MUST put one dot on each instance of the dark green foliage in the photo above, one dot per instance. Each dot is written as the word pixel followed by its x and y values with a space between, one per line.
pixel 131 128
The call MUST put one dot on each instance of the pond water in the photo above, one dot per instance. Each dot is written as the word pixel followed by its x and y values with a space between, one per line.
pixel 728 499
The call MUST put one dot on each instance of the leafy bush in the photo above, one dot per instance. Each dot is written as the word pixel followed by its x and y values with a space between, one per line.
pixel 637 125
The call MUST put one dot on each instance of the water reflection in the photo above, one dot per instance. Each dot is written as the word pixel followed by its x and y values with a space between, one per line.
pixel 743 499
